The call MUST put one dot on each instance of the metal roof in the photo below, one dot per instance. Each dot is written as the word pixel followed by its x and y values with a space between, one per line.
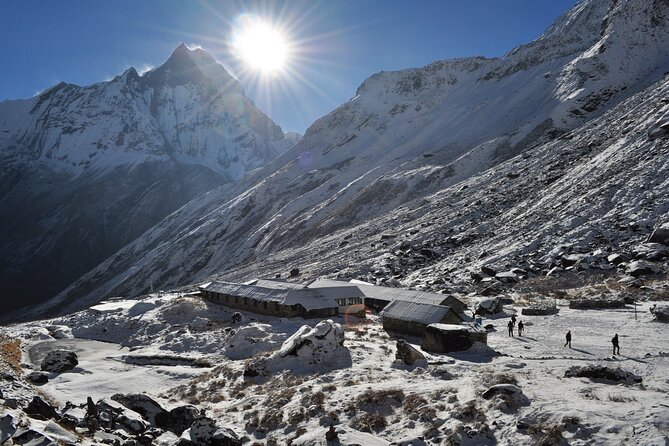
pixel 335 289
pixel 308 298
pixel 415 312
pixel 389 294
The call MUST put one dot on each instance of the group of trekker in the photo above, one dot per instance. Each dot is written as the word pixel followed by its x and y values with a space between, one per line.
pixel 512 324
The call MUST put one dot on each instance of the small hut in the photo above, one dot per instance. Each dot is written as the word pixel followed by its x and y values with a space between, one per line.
pixel 413 317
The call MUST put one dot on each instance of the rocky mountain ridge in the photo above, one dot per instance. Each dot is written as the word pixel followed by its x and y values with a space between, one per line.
pixel 99 165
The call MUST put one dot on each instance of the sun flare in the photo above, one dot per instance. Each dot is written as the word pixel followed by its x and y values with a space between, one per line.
pixel 260 45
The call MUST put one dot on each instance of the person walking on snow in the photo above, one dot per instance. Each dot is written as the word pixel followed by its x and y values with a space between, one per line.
pixel 513 319
pixel 616 346
pixel 568 338
pixel 520 328
pixel 510 325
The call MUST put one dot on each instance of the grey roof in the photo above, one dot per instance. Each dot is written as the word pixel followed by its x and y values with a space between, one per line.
pixel 390 294
pixel 308 298
pixel 415 312
pixel 336 289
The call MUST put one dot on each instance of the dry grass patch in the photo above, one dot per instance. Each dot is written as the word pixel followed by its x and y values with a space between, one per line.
pixel 10 352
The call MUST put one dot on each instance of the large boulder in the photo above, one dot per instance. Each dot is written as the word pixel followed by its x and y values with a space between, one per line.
pixel 511 395
pixel 661 312
pixel 660 235
pixel 597 303
pixel 59 361
pixel 143 404
pixel 111 414
pixel 407 354
pixel 489 305
pixel 8 425
pixel 38 378
pixel 178 419
pixel 39 409
pixel 602 373
pixel 205 432
pixel 640 268
pixel 446 338
pixel 310 349
pixel 542 308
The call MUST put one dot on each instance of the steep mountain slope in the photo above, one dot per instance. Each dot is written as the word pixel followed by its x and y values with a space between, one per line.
pixel 377 161
pixel 85 170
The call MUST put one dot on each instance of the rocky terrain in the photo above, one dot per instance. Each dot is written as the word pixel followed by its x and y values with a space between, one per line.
pixel 174 369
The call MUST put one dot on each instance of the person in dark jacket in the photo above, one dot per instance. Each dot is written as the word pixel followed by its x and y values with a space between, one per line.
pixel 616 346
pixel 510 325
pixel 520 328
pixel 513 319
pixel 568 338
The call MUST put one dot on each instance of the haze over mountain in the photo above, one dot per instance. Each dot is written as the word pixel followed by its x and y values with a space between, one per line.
pixel 85 170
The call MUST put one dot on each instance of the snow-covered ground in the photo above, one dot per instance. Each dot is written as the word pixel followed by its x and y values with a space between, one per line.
pixel 374 400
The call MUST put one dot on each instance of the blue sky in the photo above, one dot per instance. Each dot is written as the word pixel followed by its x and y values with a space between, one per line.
pixel 340 43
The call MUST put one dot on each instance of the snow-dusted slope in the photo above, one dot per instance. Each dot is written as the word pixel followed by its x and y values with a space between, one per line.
pixel 85 170
pixel 404 136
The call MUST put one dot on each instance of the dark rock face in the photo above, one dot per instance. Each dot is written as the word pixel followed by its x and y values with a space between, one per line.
pixel 600 372
pixel 407 353
pixel 440 338
pixel 7 427
pixel 660 235
pixel 40 409
pixel 59 361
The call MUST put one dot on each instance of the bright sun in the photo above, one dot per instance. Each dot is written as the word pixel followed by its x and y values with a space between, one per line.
pixel 260 45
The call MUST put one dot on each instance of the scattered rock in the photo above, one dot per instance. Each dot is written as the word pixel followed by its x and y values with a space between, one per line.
pixel 445 338
pixel 604 373
pixel 236 318
pixel 59 361
pixel 38 378
pixel 294 272
pixel 40 409
pixel 408 354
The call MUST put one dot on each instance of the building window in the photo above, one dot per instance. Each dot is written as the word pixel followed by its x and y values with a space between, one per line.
pixel 255 303
pixel 236 299
pixel 264 305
